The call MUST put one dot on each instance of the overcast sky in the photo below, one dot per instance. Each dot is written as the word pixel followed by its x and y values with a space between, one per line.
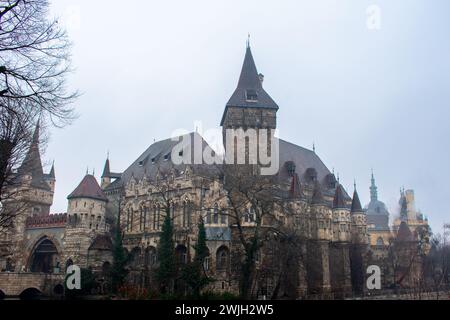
pixel 369 93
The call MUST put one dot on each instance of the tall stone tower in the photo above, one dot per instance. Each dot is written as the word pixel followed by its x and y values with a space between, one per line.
pixel 38 187
pixel 86 219
pixel 250 107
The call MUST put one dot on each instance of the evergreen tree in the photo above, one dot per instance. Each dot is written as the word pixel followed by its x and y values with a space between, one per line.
pixel 118 270
pixel 166 254
pixel 193 273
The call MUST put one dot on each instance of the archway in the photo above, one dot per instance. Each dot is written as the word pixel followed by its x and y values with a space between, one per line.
pixel 222 258
pixel 135 258
pixel 30 294
pixel 45 257
pixel 2 295
pixel 181 253
pixel 150 257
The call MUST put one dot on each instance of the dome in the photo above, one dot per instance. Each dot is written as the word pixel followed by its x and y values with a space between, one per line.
pixel 376 207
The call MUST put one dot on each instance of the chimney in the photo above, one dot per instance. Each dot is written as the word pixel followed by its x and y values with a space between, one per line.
pixel 261 78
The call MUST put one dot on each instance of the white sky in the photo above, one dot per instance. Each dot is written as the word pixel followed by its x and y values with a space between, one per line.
pixel 367 98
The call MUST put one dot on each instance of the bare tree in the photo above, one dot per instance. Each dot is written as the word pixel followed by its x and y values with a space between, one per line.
pixel 34 60
pixel 254 203
pixel 34 63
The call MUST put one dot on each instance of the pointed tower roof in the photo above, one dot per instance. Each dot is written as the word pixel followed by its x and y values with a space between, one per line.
pixel 339 199
pixel 249 92
pixel 356 204
pixel 373 189
pixel 88 188
pixel 106 171
pixel 317 197
pixel 403 208
pixel 32 163
pixel 52 171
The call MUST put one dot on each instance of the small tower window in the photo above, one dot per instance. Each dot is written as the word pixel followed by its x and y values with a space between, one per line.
pixel 251 95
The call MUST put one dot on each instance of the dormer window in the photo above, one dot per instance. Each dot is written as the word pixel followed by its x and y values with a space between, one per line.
pixel 153 160
pixel 141 163
pixel 251 95
pixel 166 157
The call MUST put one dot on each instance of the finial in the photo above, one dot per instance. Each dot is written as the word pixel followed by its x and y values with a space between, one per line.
pixel 332 171
pixel 87 170
pixel 107 154
pixel 354 184
pixel 93 172
pixel 248 40
pixel 338 177
pixel 314 147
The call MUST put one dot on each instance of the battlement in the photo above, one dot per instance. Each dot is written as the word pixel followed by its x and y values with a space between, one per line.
pixel 50 221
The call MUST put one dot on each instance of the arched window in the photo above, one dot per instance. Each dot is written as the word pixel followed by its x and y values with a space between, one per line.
pixel 154 217
pixel 185 211
pixel 216 214
pixel 223 217
pixel 141 218
pixel 150 257
pixel 135 257
pixel 222 257
pixel 380 242
pixel 145 217
pixel 208 216
pixel 207 262
pixel 129 220
pixel 158 216
pixel 181 253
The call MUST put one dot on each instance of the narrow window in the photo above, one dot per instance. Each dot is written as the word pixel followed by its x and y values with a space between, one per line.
pixel 216 214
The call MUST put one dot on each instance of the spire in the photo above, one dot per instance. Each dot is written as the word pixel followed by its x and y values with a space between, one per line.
pixel 106 170
pixel 339 201
pixel 249 92
pixel 52 171
pixel 403 208
pixel 32 163
pixel 373 189
pixel 356 204
pixel 249 78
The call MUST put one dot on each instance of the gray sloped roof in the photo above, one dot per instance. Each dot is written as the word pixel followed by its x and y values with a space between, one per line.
pixel 158 157
pixel 88 188
pixel 303 160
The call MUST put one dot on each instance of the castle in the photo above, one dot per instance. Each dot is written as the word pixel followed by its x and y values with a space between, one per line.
pixel 334 225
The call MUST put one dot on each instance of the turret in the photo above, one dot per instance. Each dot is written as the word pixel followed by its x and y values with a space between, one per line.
pixel 341 216
pixel 321 214
pixel 50 178
pixel 87 205
pixel 106 178
pixel 358 216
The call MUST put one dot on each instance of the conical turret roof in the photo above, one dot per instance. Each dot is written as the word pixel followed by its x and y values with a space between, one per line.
pixel 88 188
